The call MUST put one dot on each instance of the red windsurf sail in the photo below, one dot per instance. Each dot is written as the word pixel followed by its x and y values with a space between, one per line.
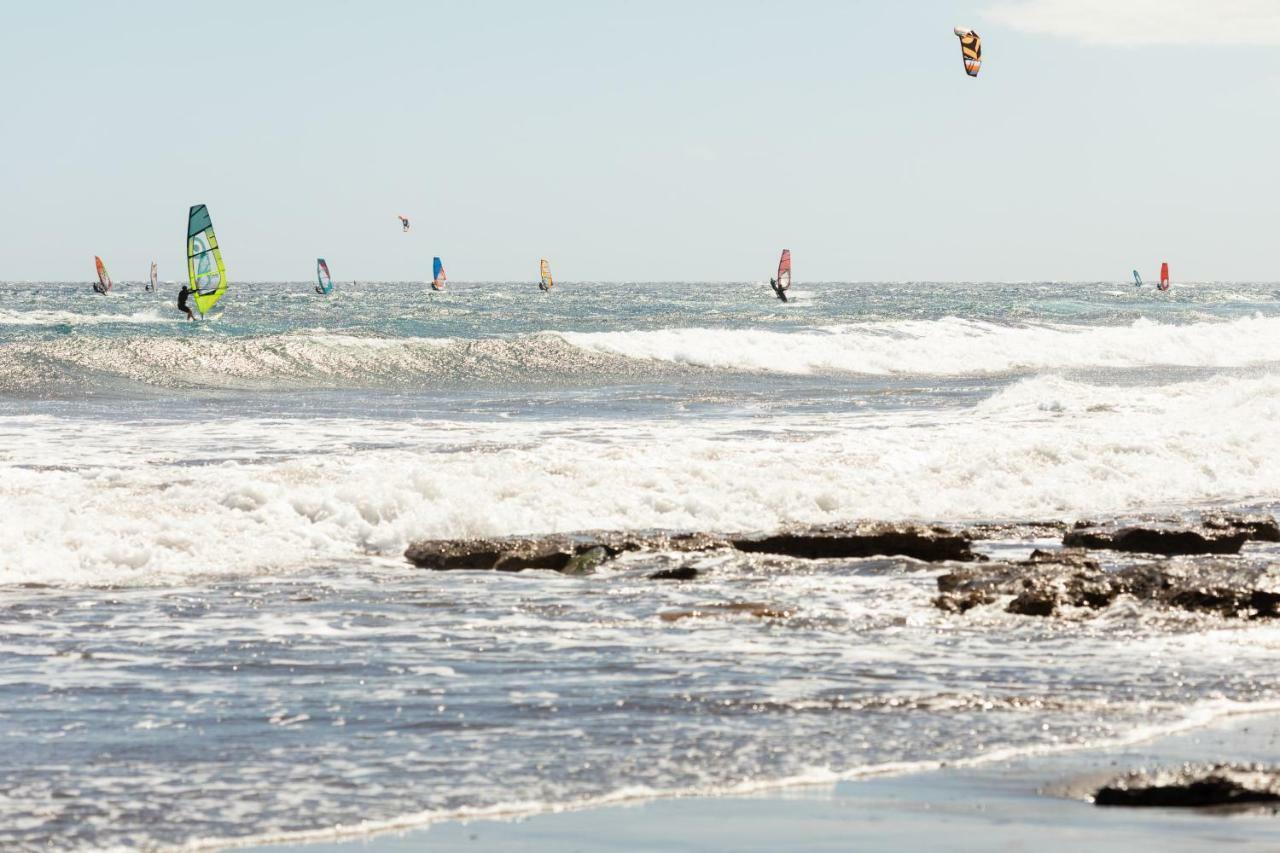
pixel 784 270
pixel 1164 276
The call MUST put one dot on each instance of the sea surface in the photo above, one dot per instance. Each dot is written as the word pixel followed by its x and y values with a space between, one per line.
pixel 208 630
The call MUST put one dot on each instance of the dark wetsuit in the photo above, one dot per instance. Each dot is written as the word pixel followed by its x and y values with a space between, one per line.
pixel 98 288
pixel 781 292
pixel 182 302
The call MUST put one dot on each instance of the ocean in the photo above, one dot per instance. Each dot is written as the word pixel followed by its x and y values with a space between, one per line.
pixel 209 631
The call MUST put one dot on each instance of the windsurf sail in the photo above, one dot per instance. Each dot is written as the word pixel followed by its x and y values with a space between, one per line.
pixel 104 277
pixel 151 286
pixel 784 270
pixel 437 275
pixel 544 269
pixel 324 281
pixel 1164 275
pixel 1137 279
pixel 404 222
pixel 970 50
pixel 205 273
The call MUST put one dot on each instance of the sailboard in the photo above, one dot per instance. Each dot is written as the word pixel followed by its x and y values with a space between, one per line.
pixel 544 269
pixel 324 281
pixel 437 275
pixel 970 50
pixel 151 285
pixel 1137 279
pixel 206 275
pixel 1164 275
pixel 104 277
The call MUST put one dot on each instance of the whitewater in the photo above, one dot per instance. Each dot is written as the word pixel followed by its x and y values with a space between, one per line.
pixel 204 523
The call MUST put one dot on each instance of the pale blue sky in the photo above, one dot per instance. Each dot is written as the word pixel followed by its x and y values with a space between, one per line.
pixel 636 140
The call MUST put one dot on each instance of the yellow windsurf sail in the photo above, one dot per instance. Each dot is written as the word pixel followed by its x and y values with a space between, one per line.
pixel 207 275
pixel 545 269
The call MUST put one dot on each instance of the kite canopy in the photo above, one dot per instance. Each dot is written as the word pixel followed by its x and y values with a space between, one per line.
pixel 970 50
pixel 403 221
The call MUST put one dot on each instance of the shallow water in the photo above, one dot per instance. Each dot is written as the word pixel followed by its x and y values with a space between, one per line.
pixel 209 631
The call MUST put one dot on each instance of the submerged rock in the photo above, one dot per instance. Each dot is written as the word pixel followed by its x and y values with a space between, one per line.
pixel 1194 786
pixel 1049 581
pixel 932 544
pixel 751 608
pixel 684 573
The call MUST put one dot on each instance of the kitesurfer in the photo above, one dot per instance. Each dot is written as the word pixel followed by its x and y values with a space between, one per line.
pixel 780 291
pixel 182 302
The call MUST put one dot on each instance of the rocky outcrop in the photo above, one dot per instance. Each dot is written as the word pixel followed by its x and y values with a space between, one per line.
pixel 1166 541
pixel 1052 580
pixel 570 553
pixel 1194 786
pixel 579 553
pixel 932 544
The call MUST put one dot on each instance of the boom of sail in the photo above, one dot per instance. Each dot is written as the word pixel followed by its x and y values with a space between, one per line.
pixel 205 272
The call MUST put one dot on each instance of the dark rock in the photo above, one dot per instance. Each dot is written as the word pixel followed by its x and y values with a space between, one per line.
pixel 1034 602
pixel 570 553
pixel 1194 786
pixel 931 544
pixel 1158 540
pixel 1259 528
pixel 1050 581
pixel 684 573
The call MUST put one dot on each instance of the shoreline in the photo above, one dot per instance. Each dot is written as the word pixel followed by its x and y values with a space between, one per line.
pixel 997 800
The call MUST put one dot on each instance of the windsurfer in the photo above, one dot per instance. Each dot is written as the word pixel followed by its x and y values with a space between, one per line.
pixel 781 292
pixel 98 288
pixel 182 302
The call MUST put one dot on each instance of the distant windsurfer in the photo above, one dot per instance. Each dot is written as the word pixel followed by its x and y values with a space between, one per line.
pixel 182 302
pixel 99 288
pixel 778 289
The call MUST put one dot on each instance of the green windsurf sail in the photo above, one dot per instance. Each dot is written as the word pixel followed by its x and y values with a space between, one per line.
pixel 207 275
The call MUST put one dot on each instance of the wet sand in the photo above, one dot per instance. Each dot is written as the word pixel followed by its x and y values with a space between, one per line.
pixel 1030 803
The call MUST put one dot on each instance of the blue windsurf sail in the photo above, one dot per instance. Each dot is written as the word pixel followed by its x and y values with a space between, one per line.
pixel 1137 279
pixel 437 275
pixel 324 281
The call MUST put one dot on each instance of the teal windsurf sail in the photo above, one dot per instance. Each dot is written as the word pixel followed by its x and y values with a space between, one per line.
pixel 1137 279
pixel 205 273
pixel 323 279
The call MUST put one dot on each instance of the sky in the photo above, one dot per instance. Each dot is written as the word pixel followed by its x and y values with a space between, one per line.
pixel 665 140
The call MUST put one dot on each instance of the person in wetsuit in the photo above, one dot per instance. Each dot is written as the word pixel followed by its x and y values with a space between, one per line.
pixel 98 288
pixel 182 302
pixel 781 293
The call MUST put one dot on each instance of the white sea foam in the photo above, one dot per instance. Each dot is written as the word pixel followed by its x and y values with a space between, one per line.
pixel 72 318
pixel 126 507
pixel 949 347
